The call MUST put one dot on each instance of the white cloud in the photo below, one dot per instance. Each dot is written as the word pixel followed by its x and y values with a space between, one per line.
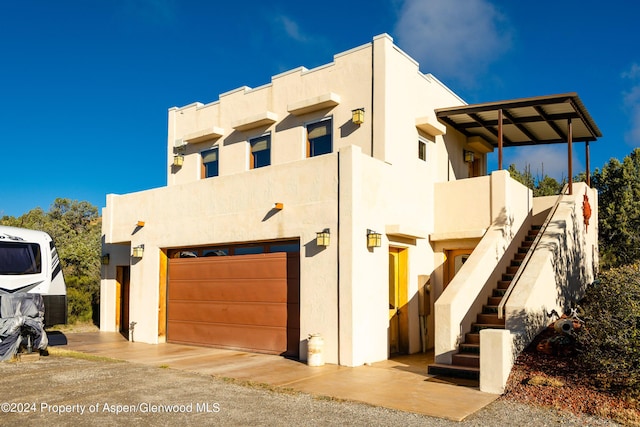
pixel 291 28
pixel 632 105
pixel 455 39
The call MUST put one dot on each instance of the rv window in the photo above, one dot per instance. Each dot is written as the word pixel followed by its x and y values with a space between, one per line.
pixel 20 258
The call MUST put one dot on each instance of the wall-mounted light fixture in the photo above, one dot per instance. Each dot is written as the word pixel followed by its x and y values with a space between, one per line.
pixel 140 223
pixel 278 206
pixel 105 259
pixel 178 160
pixel 138 251
pixel 374 240
pixel 323 237
pixel 357 116
pixel 469 156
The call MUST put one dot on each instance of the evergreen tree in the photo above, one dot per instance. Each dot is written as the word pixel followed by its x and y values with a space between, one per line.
pixel 618 185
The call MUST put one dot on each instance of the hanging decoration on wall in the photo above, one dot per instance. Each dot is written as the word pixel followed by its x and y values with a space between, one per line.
pixel 586 209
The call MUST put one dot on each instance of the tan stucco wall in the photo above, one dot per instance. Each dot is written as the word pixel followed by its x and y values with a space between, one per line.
pixel 510 208
pixel 559 271
pixel 372 180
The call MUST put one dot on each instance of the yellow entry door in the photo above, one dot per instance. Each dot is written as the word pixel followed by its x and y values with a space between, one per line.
pixel 454 260
pixel 398 309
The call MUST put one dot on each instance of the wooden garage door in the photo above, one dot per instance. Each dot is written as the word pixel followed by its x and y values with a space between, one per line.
pixel 247 302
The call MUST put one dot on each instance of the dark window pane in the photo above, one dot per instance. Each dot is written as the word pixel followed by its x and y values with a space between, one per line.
pixel 319 138
pixel 20 258
pixel 285 247
pixel 246 250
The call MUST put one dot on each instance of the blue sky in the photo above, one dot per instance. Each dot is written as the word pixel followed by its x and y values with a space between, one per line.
pixel 85 85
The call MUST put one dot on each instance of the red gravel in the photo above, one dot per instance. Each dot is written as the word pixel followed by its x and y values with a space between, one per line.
pixel 561 383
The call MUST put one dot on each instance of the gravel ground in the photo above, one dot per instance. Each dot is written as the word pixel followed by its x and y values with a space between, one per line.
pixel 67 391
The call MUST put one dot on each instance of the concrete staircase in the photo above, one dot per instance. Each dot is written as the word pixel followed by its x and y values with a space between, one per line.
pixel 466 362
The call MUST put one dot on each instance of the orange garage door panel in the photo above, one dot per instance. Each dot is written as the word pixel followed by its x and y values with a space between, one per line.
pixel 247 302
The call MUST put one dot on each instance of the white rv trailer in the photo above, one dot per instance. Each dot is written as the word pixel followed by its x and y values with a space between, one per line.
pixel 29 263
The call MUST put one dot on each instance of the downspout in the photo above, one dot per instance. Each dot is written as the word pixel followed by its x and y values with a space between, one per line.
pixel 338 256
pixel 372 92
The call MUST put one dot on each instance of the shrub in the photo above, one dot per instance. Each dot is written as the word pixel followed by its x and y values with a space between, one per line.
pixel 78 305
pixel 611 338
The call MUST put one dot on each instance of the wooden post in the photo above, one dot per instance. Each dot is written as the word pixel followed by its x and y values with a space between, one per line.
pixel 500 139
pixel 570 154
pixel 587 154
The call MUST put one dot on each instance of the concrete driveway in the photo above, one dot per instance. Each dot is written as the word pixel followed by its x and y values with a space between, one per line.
pixel 401 383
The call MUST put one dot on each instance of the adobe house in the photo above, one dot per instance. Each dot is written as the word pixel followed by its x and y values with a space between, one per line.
pixel 352 200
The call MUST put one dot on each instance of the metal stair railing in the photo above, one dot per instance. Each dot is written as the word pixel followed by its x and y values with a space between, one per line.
pixel 530 252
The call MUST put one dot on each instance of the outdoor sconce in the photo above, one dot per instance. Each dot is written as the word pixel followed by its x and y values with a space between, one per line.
pixel 374 240
pixel 140 223
pixel 323 237
pixel 357 116
pixel 138 251
pixel 178 160
pixel 468 156
pixel 105 259
pixel 278 206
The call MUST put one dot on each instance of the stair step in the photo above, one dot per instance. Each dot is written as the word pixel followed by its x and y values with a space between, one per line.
pixel 490 319
pixel 523 250
pixel 507 276
pixel 516 262
pixel 534 231
pixel 466 359
pixel 499 292
pixel 490 308
pixel 526 244
pixel 477 327
pixel 454 371
pixel 504 284
pixel 511 270
pixel 469 348
pixel 494 301
pixel 472 338
pixel 529 238
pixel 520 256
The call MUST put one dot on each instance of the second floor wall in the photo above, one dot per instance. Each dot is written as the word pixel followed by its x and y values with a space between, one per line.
pixel 304 113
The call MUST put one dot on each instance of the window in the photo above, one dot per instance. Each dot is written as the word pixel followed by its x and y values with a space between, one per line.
pixel 422 150
pixel 319 138
pixel 210 160
pixel 260 151
pixel 285 247
pixel 248 250
pixel 20 258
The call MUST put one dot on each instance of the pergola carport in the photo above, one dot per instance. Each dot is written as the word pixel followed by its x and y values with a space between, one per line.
pixel 551 119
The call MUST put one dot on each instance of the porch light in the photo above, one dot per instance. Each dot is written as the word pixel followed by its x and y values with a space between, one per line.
pixel 278 206
pixel 140 224
pixel 178 160
pixel 469 156
pixel 138 251
pixel 357 116
pixel 323 238
pixel 105 259
pixel 374 240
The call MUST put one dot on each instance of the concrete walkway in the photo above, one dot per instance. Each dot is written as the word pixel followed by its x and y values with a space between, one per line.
pixel 400 383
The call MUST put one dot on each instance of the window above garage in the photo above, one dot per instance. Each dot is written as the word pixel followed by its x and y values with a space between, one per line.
pixel 291 246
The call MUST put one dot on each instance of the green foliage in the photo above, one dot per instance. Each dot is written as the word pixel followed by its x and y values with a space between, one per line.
pixel 611 336
pixel 618 185
pixel 78 305
pixel 545 186
pixel 76 229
